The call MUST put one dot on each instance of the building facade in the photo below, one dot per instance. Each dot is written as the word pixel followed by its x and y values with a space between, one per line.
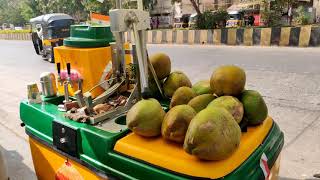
pixel 167 13
pixel 161 14
pixel 316 6
pixel 206 5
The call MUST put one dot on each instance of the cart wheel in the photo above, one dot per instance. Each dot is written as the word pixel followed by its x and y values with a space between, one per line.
pixel 51 60
pixel 45 58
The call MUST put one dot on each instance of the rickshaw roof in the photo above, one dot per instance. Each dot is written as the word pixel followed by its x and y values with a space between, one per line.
pixel 48 18
pixel 235 12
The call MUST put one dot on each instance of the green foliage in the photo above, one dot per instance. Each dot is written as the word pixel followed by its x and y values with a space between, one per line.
pixel 221 16
pixel 29 9
pixel 19 12
pixel 211 20
pixel 272 17
pixel 10 11
pixel 302 17
pixel 205 20
pixel 95 6
pixel 13 31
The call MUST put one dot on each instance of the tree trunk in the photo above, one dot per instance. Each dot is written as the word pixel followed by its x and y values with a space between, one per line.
pixel 195 6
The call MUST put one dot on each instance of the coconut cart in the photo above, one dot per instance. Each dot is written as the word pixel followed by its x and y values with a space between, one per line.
pixel 92 69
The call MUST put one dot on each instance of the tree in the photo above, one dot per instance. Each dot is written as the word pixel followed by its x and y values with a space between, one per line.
pixel 195 6
pixel 212 20
pixel 10 12
pixel 29 9
pixel 71 7
pixel 273 11
pixel 95 6
pixel 21 11
pixel 302 17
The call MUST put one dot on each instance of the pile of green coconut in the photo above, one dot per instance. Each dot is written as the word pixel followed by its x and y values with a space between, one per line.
pixel 204 117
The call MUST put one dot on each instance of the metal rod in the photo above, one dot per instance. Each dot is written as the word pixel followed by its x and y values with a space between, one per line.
pixel 114 56
pixel 79 97
pixel 66 92
pixel 143 67
pixel 120 53
pixel 80 82
pixel 118 4
pixel 137 72
pixel 88 101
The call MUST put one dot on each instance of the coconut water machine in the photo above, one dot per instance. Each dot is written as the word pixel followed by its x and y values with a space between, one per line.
pixel 81 144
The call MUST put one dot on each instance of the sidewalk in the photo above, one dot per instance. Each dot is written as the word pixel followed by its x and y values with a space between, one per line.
pixel 17 154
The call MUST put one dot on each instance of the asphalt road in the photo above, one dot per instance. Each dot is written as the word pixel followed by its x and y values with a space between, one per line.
pixel 288 78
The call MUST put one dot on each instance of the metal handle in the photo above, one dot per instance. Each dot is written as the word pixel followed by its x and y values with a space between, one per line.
pixel 69 68
pixel 66 92
pixel 142 61
pixel 59 68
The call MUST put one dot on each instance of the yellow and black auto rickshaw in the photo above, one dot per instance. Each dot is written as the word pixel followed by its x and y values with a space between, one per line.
pixel 48 31
pixel 236 19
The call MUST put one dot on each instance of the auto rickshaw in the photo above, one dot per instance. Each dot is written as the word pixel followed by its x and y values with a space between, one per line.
pixel 236 19
pixel 48 31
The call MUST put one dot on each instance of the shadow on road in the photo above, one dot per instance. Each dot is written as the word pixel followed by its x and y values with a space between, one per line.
pixel 17 169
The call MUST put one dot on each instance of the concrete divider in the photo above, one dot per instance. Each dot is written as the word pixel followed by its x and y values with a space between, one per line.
pixel 302 36
pixel 15 36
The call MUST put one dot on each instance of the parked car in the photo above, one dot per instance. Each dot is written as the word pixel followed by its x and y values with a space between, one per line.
pixel 18 28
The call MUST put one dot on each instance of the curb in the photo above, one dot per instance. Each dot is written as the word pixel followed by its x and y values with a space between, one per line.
pixel 15 36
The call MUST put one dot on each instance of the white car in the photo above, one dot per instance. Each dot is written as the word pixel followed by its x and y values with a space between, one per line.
pixel 18 28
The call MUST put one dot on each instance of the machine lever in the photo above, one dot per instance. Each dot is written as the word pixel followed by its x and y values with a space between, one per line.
pixel 59 73
pixel 69 74
pixel 69 69
pixel 142 62
pixel 66 92
pixel 59 68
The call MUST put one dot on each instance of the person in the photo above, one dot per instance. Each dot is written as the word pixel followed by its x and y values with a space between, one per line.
pixel 39 31
pixel 251 20
pixel 151 23
pixel 157 22
pixel 290 15
pixel 246 20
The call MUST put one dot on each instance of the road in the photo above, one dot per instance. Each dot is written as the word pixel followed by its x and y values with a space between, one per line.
pixel 288 78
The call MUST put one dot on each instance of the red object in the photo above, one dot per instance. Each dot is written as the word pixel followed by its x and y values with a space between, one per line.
pixel 68 172
pixel 257 18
